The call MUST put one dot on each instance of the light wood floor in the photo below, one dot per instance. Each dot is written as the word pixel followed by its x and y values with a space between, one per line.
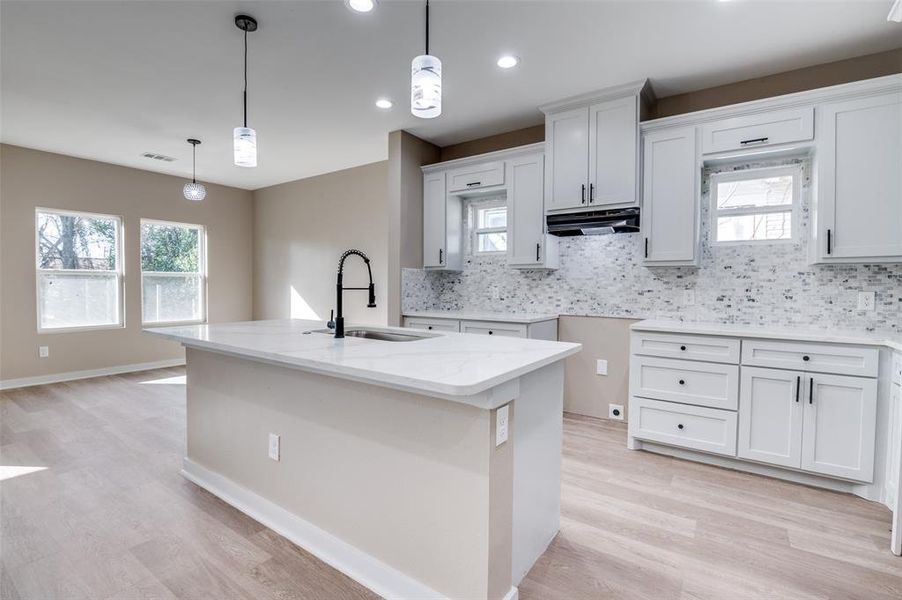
pixel 110 517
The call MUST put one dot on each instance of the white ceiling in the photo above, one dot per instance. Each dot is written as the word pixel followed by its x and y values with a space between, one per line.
pixel 109 80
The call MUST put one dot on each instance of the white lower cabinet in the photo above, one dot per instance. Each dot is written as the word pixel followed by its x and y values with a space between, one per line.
pixel 537 330
pixel 839 427
pixel 770 416
pixel 494 328
pixel 820 419
pixel 696 427
pixel 432 324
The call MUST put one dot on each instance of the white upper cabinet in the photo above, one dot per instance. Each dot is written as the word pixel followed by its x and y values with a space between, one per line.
pixel 528 246
pixel 591 150
pixel 859 181
pixel 441 225
pixel 759 130
pixel 567 159
pixel 476 177
pixel 613 153
pixel 670 209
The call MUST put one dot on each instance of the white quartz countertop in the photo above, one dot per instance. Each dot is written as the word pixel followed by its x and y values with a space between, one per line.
pixel 499 317
pixel 443 364
pixel 829 336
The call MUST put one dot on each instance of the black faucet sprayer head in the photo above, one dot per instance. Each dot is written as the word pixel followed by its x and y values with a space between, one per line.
pixel 372 302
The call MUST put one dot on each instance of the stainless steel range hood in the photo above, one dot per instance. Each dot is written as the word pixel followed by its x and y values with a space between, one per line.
pixel 597 222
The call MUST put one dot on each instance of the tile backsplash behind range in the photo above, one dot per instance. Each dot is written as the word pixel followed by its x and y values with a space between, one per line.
pixel 749 284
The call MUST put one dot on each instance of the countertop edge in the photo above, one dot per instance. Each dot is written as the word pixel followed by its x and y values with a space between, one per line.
pixel 726 330
pixel 455 393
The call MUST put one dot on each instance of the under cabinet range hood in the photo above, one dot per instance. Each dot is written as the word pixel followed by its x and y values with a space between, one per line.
pixel 596 222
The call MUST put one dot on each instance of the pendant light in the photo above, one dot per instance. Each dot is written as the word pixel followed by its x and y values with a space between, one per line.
pixel 245 138
pixel 426 82
pixel 194 191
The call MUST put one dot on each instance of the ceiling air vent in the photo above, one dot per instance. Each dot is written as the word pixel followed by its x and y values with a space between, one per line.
pixel 156 156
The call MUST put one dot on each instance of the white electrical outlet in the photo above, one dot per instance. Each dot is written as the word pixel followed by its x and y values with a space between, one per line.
pixel 615 411
pixel 501 424
pixel 43 351
pixel 867 301
pixel 689 297
pixel 274 443
pixel 601 367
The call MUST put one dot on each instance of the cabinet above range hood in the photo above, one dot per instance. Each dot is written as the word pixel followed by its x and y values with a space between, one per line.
pixel 597 222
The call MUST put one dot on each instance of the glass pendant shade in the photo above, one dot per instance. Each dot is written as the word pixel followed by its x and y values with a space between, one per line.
pixel 426 86
pixel 194 191
pixel 245 140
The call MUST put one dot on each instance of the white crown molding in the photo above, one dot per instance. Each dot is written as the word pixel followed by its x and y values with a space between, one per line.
pixel 8 384
pixel 356 564
pixel 487 157
pixel 844 91
pixel 633 88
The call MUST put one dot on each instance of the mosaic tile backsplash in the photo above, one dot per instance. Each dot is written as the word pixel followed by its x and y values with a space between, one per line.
pixel 743 284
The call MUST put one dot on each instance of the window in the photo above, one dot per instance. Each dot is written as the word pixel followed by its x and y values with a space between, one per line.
pixel 755 205
pixel 79 270
pixel 488 222
pixel 173 272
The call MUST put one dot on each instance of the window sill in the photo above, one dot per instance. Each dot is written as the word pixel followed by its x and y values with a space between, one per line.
pixel 78 329
pixel 146 324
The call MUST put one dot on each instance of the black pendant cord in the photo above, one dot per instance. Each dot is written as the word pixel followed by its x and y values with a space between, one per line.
pixel 427 27
pixel 245 78
pixel 193 163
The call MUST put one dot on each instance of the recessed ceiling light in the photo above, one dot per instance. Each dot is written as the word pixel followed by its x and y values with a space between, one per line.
pixel 362 6
pixel 384 103
pixel 508 61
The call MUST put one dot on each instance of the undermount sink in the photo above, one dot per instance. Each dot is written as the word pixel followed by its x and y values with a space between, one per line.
pixel 384 336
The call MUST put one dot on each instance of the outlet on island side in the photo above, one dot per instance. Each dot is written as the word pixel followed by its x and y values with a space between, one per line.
pixel 615 411
pixel 502 417
pixel 274 443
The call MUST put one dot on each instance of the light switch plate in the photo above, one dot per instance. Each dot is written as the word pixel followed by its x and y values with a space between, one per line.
pixel 601 367
pixel 43 351
pixel 867 301
pixel 501 424
pixel 274 446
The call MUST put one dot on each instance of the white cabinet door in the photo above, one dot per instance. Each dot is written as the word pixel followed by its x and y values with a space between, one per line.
pixel 526 240
pixel 493 328
pixel 476 177
pixel 860 180
pixel 754 131
pixel 670 199
pixel 770 416
pixel 613 153
pixel 432 324
pixel 840 426
pixel 434 226
pixel 567 159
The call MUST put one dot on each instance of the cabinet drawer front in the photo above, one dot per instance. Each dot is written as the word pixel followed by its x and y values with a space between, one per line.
pixel 820 358
pixel 492 328
pixel 432 324
pixel 692 347
pixel 706 429
pixel 701 384
pixel 476 176
pixel 775 127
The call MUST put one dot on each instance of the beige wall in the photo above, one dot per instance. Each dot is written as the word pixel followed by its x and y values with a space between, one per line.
pixel 585 392
pixel 29 178
pixel 406 154
pixel 301 228
pixel 799 80
pixel 364 463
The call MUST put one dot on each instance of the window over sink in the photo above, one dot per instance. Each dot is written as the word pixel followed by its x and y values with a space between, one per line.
pixel 488 224
pixel 755 205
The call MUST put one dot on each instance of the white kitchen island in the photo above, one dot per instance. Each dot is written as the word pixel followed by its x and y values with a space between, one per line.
pixel 391 465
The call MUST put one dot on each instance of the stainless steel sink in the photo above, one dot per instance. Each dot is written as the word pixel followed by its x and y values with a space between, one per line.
pixel 374 334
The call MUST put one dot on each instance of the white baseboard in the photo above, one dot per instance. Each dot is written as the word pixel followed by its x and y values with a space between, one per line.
pixel 512 594
pixel 8 384
pixel 356 564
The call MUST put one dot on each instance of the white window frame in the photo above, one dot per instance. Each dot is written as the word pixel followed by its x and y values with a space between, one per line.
pixel 759 173
pixel 202 266
pixel 475 230
pixel 119 271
